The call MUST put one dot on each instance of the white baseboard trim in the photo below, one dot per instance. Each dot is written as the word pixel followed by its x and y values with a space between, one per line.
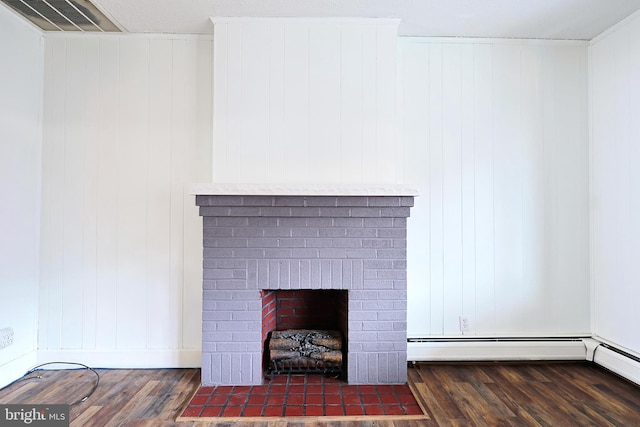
pixel 495 350
pixel 11 371
pixel 618 363
pixel 126 359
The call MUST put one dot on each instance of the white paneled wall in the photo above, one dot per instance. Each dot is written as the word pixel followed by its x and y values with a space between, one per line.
pixel 127 125
pixel 495 136
pixel 615 178
pixel 20 156
pixel 305 101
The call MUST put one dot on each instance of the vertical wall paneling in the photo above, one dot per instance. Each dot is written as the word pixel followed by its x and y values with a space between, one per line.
pixel 21 80
pixel 507 187
pixel 90 196
pixel 305 100
pixel 452 261
pixel 133 164
pixel 158 209
pixel 495 133
pixel 107 233
pixel 614 87
pixel 73 190
pixel 127 127
pixel 414 111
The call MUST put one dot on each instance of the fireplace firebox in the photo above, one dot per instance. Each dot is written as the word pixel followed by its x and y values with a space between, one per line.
pixel 260 249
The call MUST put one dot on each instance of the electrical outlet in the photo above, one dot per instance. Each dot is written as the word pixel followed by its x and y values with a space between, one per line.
pixel 6 337
pixel 465 323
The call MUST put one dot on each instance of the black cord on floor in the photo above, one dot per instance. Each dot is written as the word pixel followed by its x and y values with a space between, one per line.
pixel 93 389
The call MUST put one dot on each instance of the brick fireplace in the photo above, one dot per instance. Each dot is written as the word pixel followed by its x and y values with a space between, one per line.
pixel 255 244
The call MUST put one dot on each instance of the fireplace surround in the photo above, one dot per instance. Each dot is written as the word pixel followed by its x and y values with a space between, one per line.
pixel 257 240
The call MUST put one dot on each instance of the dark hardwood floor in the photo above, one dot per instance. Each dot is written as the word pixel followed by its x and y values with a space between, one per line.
pixel 453 394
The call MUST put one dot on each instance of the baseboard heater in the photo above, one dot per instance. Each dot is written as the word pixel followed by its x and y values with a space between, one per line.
pixel 490 349
pixel 525 349
pixel 618 361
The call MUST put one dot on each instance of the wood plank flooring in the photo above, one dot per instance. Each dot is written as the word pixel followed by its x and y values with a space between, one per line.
pixel 453 394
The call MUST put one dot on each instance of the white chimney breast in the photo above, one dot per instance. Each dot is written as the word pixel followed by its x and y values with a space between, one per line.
pixel 305 100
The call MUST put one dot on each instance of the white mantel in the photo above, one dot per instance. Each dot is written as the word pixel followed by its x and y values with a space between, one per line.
pixel 269 189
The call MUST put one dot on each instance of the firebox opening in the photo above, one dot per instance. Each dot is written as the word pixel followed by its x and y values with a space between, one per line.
pixel 322 310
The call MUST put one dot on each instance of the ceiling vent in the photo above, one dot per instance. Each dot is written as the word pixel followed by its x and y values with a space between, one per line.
pixel 63 15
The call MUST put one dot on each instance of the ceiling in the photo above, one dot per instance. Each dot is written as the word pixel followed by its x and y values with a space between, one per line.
pixel 534 19
pixel 546 19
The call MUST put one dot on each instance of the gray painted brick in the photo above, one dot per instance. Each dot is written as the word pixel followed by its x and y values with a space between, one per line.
pixel 378 284
pixel 384 201
pixel 346 243
pixel 224 242
pixel 392 295
pixel 377 243
pixel 361 253
pixel 304 232
pixel 378 264
pixel 377 326
pixel 348 222
pixel 400 222
pixel 275 212
pixel 378 222
pixel 399 315
pixel 377 305
pixel 305 212
pixel 279 232
pixel 292 222
pixel 217 336
pixel 322 201
pixel 258 201
pixel 355 326
pixel 217 315
pixel 217 232
pixel 352 201
pixel 306 262
pixel 332 232
pixel 248 253
pixel 292 243
pixel 233 222
pixel 319 222
pixel 391 253
pixel 208 221
pixel 365 315
pixel 262 222
pixel 406 201
pixel 255 316
pixel 334 253
pixel 399 326
pixel 217 253
pixel 391 336
pixel 278 253
pixel 244 211
pixel 400 243
pixel 400 285
pixel 214 211
pixel 366 212
pixel 362 232
pixel 250 336
pixel 319 243
pixel 364 336
pixel 392 274
pixel 248 232
pixel 336 212
pixel 393 233
pixel 394 212
pixel 208 274
pixel 289 201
